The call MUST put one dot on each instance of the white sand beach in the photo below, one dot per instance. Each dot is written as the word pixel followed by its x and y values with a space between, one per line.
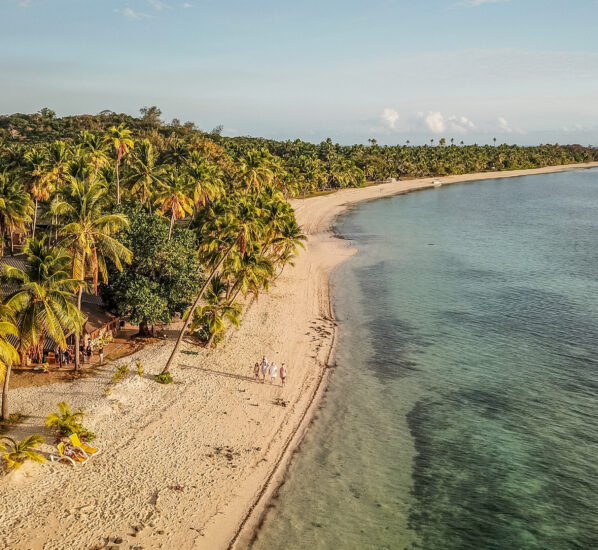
pixel 192 464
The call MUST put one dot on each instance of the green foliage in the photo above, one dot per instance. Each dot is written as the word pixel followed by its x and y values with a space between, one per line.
pixel 164 378
pixel 16 453
pixel 121 372
pixel 139 369
pixel 164 275
pixel 66 421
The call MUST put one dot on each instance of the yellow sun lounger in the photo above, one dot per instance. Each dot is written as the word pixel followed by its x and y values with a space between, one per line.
pixel 87 450
pixel 73 461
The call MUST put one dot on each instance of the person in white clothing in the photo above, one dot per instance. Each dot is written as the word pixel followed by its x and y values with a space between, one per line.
pixel 273 371
pixel 264 368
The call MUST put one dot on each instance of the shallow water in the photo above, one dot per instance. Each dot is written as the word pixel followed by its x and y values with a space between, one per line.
pixel 463 410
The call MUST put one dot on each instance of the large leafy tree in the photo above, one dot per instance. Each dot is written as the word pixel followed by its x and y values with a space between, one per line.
pixel 163 277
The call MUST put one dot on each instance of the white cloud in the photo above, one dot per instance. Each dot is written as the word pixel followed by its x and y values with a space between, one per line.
pixel 131 14
pixel 156 4
pixel 504 125
pixel 438 123
pixel 435 122
pixel 390 117
pixel 187 5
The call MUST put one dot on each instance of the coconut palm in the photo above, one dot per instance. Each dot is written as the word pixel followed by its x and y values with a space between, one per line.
pixel 16 207
pixel 233 223
pixel 176 152
pixel 255 170
pixel 174 195
pixel 89 235
pixel 95 149
pixel 40 185
pixel 215 312
pixel 8 353
pixel 251 272
pixel 16 453
pixel 122 141
pixel 57 156
pixel 206 179
pixel 144 174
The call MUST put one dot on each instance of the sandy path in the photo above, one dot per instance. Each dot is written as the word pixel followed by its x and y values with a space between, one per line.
pixel 183 464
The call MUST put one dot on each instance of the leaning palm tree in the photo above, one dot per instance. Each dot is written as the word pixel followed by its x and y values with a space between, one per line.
pixel 16 207
pixel 233 223
pixel 43 299
pixel 8 353
pixel 89 235
pixel 122 141
pixel 174 195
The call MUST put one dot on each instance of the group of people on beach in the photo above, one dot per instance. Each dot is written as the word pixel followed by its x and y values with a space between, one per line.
pixel 66 356
pixel 270 369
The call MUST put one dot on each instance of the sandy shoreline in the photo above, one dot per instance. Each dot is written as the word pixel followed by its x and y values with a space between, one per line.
pixel 192 465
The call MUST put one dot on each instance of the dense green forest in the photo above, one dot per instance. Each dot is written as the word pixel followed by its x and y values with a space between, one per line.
pixel 301 167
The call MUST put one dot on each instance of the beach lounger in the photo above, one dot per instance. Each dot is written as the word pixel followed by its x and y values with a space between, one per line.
pixel 78 444
pixel 63 456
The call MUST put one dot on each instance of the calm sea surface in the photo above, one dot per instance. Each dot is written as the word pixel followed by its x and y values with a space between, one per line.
pixel 463 410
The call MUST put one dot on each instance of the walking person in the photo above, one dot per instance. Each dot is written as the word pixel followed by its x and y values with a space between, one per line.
pixel 67 357
pixel 89 353
pixel 283 373
pixel 59 356
pixel 273 372
pixel 101 353
pixel 256 371
pixel 82 351
pixel 264 369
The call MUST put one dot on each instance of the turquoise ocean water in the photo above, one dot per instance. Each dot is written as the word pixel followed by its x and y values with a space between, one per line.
pixel 463 410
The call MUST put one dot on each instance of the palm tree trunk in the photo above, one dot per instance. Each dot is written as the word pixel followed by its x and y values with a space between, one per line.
pixel 4 415
pixel 194 307
pixel 12 244
pixel 171 224
pixel 34 220
pixel 77 335
pixel 117 182
pixel 210 340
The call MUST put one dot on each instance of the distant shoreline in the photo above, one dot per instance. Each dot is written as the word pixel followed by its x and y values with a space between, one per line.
pixel 318 215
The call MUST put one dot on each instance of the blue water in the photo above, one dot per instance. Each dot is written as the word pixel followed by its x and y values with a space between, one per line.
pixel 463 408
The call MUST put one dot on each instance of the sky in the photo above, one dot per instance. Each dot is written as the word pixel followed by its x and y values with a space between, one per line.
pixel 523 71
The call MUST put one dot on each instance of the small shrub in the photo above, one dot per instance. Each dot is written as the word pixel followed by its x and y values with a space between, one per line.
pixel 17 417
pixel 164 378
pixel 139 368
pixel 121 372
pixel 66 421
pixel 86 435
pixel 108 391
pixel 16 453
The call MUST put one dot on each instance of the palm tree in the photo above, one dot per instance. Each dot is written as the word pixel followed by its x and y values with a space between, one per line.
pixel 41 185
pixel 17 452
pixel 255 170
pixel 88 234
pixel 215 312
pixel 16 207
pixel 144 173
pixel 8 353
pixel 43 299
pixel 176 152
pixel 206 178
pixel 175 195
pixel 121 139
pixel 251 272
pixel 94 148
pixel 233 223
pixel 66 421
